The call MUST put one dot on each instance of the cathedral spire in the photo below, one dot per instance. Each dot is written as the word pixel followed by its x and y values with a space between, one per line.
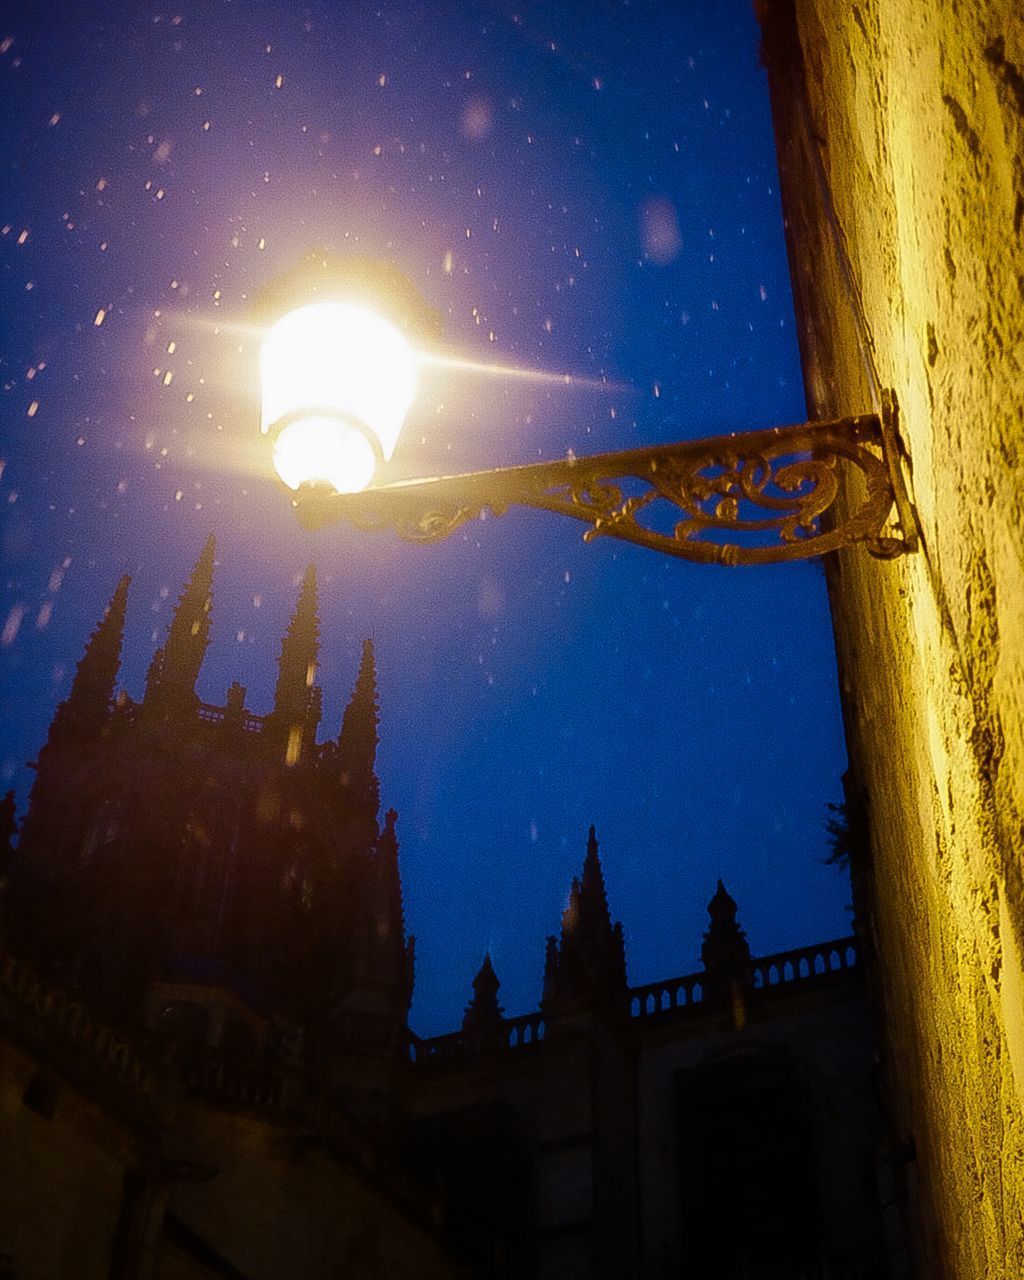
pixel 93 686
pixel 380 962
pixel 188 635
pixel 391 917
pixel 357 742
pixel 593 897
pixel 587 915
pixel 725 952
pixel 484 1011
pixel 296 713
pixel 589 960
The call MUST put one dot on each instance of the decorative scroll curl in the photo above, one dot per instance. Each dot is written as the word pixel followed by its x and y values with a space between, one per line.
pixel 756 498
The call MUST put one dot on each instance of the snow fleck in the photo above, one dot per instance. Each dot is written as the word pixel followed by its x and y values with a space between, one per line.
pixel 33 409
pixel 101 315
pixel 477 119
pixel 12 626
pixel 659 230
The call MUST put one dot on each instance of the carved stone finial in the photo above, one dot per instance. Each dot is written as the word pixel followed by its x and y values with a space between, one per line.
pixel 483 1010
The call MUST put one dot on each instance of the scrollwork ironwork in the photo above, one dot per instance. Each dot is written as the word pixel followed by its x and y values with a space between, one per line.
pixel 754 498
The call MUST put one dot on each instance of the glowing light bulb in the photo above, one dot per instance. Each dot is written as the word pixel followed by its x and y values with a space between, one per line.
pixel 337 382
pixel 323 449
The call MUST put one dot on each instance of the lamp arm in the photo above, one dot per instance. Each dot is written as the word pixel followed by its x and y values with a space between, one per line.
pixel 755 497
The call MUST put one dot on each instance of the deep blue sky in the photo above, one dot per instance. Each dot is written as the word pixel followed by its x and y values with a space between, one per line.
pixel 583 189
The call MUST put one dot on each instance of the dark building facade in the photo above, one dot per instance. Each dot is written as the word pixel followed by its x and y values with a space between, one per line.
pixel 206 1067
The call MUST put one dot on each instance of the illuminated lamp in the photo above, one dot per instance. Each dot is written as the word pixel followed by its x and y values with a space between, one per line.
pixel 337 381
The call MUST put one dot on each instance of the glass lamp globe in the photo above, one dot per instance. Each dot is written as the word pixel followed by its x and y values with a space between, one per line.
pixel 337 381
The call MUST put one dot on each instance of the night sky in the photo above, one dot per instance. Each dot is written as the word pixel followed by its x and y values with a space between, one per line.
pixel 578 189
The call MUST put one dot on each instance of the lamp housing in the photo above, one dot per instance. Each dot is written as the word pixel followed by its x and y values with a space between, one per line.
pixel 337 381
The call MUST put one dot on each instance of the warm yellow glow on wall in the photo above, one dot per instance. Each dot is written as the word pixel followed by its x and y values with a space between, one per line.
pixel 293 748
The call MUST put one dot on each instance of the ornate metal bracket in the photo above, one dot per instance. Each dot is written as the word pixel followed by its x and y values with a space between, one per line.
pixel 752 498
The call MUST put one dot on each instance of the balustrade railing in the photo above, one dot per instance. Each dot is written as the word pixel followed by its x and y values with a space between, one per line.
pixel 286 1091
pixel 248 720
pixel 207 712
pixel 69 1018
pixel 242 1084
pixel 510 1033
pixel 797 967
pixel 805 963
pixel 660 997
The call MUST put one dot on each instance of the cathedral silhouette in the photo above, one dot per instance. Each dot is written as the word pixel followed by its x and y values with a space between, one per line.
pixel 207 1067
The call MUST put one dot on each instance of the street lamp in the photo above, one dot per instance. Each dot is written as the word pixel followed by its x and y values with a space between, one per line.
pixel 338 381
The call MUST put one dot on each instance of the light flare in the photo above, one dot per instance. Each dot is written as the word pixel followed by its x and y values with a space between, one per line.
pixel 495 370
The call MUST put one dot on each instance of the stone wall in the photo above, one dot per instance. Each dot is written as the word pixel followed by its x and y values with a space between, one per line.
pixel 916 110
pixel 824 1047
pixel 560 1099
pixel 283 1203
pixel 114 1165
pixel 63 1164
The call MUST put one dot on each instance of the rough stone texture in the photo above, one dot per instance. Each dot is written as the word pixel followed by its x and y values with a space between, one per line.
pixel 918 113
